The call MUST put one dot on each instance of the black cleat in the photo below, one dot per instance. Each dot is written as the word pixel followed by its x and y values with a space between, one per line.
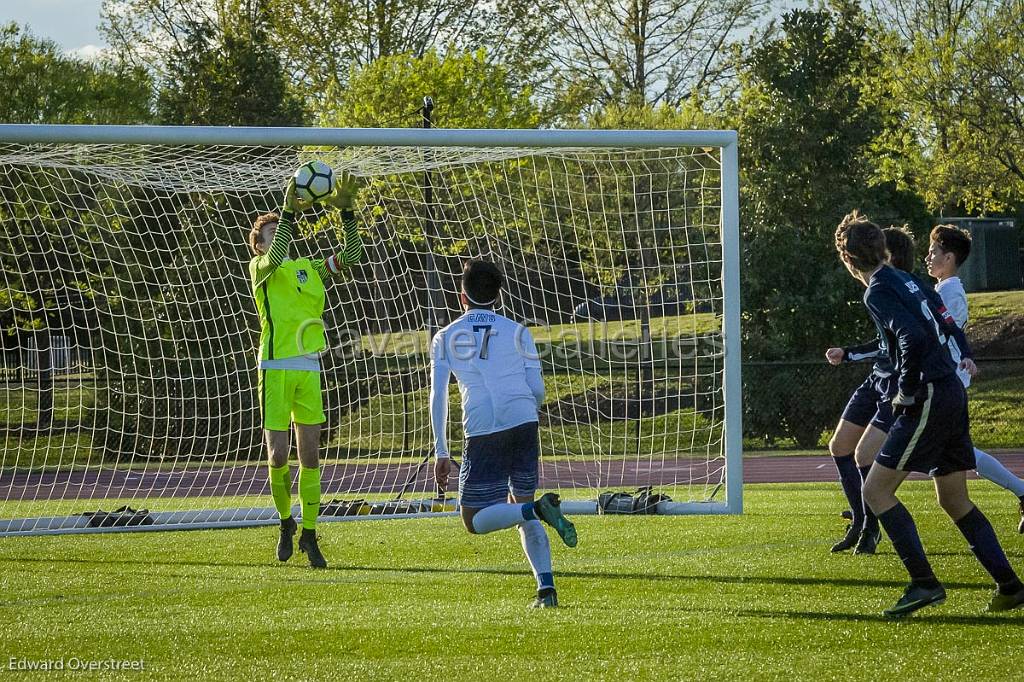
pixel 1020 526
pixel 916 597
pixel 868 542
pixel 1006 602
pixel 848 541
pixel 308 544
pixel 546 599
pixel 285 548
pixel 847 514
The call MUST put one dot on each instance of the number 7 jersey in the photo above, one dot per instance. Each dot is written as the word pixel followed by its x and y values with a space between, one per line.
pixel 490 356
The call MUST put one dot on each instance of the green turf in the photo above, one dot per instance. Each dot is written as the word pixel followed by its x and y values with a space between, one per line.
pixel 995 304
pixel 747 598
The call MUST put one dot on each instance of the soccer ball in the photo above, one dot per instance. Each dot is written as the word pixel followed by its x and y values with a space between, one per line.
pixel 314 181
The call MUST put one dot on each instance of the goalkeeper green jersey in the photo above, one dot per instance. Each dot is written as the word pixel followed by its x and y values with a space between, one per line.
pixel 290 294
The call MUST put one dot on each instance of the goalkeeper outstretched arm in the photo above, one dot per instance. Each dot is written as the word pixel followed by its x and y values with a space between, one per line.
pixel 352 253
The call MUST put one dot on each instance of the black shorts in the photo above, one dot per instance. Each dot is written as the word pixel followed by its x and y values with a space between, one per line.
pixel 934 436
pixel 869 405
pixel 496 464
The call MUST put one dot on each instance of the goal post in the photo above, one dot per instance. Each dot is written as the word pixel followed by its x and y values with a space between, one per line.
pixel 128 367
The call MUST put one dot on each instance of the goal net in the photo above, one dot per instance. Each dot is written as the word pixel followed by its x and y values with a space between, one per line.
pixel 128 327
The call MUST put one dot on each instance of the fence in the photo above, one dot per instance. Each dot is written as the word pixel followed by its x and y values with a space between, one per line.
pixel 796 405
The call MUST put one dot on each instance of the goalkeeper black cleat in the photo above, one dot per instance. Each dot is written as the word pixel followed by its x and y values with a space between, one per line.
pixel 285 546
pixel 549 509
pixel 849 541
pixel 546 599
pixel 916 597
pixel 308 544
pixel 868 541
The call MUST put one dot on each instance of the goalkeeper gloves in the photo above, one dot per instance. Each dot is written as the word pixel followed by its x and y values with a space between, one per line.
pixel 345 189
pixel 292 203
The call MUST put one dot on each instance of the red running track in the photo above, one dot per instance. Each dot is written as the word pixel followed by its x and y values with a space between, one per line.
pixel 354 479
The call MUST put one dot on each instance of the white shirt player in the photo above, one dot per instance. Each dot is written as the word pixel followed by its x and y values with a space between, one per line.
pixel 955 299
pixel 498 369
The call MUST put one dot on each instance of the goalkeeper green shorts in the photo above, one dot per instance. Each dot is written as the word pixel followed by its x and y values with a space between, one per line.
pixel 290 395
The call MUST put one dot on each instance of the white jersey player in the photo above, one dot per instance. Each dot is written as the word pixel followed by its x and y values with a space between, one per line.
pixel 948 249
pixel 498 370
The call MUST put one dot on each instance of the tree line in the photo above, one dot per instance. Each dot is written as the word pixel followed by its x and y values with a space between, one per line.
pixel 906 108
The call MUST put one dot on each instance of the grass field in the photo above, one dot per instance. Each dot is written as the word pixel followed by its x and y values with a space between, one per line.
pixel 988 305
pixel 670 327
pixel 751 597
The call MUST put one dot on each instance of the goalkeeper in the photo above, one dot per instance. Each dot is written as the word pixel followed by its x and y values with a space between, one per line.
pixel 290 297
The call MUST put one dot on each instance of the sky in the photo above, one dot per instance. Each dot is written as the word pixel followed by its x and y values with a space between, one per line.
pixel 72 24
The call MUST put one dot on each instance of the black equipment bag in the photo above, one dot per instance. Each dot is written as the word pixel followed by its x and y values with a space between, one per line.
pixel 642 501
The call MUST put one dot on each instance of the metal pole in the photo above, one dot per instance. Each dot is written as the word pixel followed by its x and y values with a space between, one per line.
pixel 27 133
pixel 731 328
pixel 429 230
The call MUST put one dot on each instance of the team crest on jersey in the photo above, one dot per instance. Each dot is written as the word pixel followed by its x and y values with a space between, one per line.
pixel 912 287
pixel 302 276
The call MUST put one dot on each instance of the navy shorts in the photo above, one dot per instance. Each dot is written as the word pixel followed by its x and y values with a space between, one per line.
pixel 869 404
pixel 934 436
pixel 499 463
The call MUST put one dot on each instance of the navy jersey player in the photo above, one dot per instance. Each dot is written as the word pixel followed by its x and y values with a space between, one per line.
pixel 865 422
pixel 930 433
pixel 498 370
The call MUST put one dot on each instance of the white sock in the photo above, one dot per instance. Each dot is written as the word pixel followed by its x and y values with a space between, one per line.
pixel 502 515
pixel 992 469
pixel 538 552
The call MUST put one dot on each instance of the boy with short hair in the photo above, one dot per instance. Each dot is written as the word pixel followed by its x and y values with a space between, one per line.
pixel 498 369
pixel 949 247
pixel 290 296
pixel 930 433
pixel 866 418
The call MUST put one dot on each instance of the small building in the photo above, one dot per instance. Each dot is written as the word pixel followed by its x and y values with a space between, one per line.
pixel 995 262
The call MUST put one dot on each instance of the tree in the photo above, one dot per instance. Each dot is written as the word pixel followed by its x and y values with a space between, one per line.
pixel 227 74
pixel 650 51
pixel 320 41
pixel 992 113
pixel 807 128
pixel 43 85
pixel 953 69
pixel 471 92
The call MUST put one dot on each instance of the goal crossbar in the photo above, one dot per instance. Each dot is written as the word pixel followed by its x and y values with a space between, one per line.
pixel 359 137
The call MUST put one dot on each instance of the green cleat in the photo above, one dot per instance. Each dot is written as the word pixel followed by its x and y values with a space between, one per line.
pixel 546 599
pixel 916 597
pixel 1006 602
pixel 285 547
pixel 308 544
pixel 549 510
